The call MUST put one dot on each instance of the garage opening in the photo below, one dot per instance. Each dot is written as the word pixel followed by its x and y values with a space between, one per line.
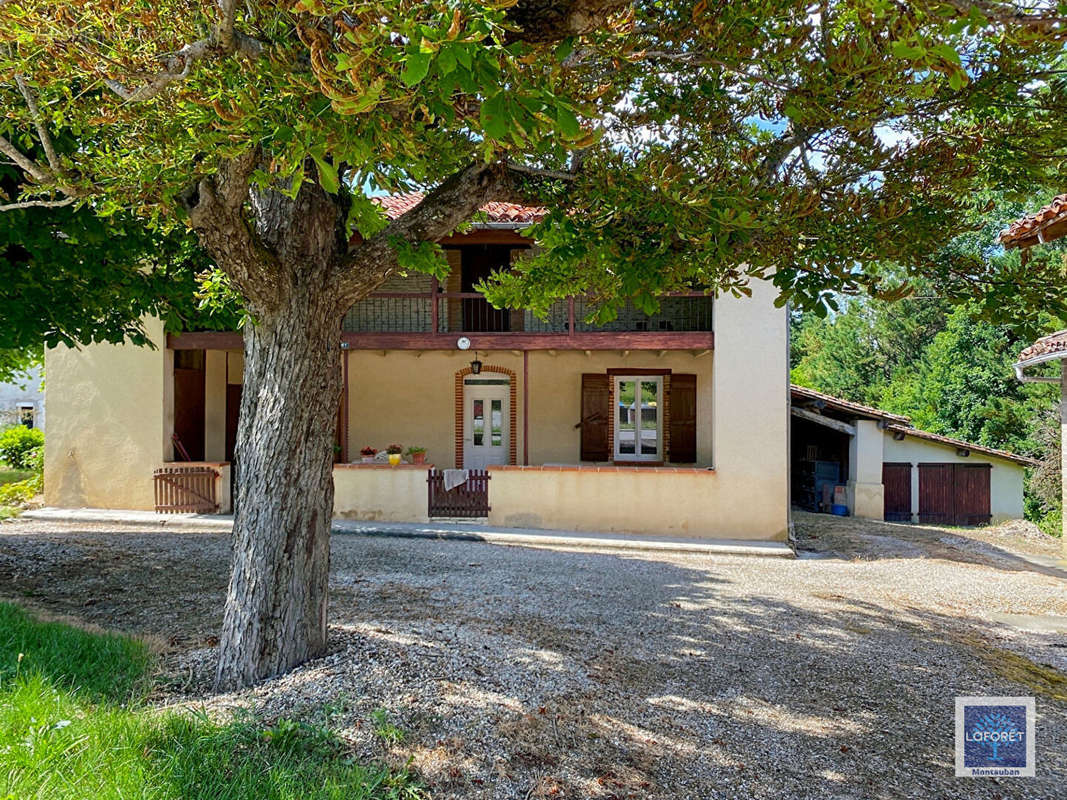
pixel 820 462
pixel 954 494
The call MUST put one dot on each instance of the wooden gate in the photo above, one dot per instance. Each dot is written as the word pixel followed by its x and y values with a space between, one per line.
pixel 954 494
pixel 897 481
pixel 471 500
pixel 185 489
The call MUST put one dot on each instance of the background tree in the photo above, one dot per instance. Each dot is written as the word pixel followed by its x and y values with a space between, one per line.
pixel 70 276
pixel 676 143
pixel 947 367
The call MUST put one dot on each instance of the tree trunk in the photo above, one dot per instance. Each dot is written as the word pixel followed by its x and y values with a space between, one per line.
pixel 275 614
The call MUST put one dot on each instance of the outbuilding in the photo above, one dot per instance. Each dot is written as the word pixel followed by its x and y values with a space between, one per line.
pixel 894 471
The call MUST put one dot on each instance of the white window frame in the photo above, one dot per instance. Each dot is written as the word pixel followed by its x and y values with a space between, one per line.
pixel 637 455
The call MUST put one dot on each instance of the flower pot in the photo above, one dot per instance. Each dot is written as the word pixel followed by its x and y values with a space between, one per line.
pixel 367 459
pixel 394 459
pixel 418 458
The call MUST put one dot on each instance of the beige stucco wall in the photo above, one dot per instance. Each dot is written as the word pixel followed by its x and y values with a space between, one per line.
pixel 742 430
pixel 383 493
pixel 866 492
pixel 409 398
pixel 107 426
pixel 750 413
pixel 1005 478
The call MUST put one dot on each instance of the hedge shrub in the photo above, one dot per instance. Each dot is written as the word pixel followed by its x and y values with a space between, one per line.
pixel 17 446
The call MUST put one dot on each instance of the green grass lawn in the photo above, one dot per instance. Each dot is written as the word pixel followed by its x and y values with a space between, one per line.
pixel 73 724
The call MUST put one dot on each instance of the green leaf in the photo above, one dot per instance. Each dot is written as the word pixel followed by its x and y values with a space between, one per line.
pixel 327 173
pixel 415 68
pixel 907 51
pixel 568 122
pixel 494 116
pixel 565 48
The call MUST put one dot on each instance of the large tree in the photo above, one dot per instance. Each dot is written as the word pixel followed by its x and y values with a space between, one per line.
pixel 676 144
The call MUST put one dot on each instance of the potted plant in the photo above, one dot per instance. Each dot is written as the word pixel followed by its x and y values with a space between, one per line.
pixel 368 453
pixel 394 451
pixel 417 454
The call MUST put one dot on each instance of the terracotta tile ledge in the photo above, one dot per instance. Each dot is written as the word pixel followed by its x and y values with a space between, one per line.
pixel 596 468
pixel 359 465
pixel 196 463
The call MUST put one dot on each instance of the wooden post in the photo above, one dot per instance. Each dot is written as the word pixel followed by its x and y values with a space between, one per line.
pixel 434 289
pixel 526 407
pixel 344 409
pixel 1063 452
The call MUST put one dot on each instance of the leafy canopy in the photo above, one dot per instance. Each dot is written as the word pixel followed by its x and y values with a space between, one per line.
pixel 675 143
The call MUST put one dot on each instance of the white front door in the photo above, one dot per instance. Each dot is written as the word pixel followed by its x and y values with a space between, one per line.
pixel 485 422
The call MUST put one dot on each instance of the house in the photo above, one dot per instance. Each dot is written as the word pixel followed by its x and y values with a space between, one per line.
pixel 681 423
pixel 894 471
pixel 1046 225
pixel 671 424
pixel 22 400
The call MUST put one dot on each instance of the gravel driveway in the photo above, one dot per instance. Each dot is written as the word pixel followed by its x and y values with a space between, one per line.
pixel 527 673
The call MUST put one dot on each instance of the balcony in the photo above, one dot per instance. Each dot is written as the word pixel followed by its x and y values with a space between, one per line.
pixel 435 319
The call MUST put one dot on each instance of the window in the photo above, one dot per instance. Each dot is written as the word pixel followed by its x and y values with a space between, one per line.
pixel 639 418
pixel 27 415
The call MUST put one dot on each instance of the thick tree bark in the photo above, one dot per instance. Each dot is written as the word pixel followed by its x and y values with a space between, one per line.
pixel 286 258
pixel 291 260
pixel 275 615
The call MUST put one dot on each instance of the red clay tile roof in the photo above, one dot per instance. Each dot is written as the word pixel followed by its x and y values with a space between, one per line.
pixel 1046 346
pixel 396 205
pixel 1047 224
pixel 846 406
pixel 907 430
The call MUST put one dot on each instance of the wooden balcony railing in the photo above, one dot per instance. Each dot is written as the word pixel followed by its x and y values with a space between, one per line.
pixel 436 320
pixel 470 312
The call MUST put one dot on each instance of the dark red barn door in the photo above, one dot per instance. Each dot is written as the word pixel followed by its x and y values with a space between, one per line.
pixel 972 494
pixel 954 494
pixel 897 481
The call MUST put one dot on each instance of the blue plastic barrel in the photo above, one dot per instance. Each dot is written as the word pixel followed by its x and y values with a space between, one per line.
pixel 839 510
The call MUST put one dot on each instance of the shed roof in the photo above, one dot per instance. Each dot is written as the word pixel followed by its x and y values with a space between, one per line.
pixel 1042 226
pixel 900 424
pixel 907 430
pixel 844 406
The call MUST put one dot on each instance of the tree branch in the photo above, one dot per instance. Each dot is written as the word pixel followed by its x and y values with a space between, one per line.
pixel 452 203
pixel 552 20
pixel 537 172
pixel 186 57
pixel 38 121
pixel 37 204
pixel 216 212
pixel 1008 13
pixel 228 10
pixel 27 164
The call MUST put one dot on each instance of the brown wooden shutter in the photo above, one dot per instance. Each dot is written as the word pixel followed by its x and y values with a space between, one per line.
pixel 595 410
pixel 683 404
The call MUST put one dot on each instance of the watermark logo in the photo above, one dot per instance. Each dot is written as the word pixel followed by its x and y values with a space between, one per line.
pixel 995 737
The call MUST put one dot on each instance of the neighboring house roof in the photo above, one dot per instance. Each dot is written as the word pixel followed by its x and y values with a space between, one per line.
pixel 898 424
pixel 845 406
pixel 1046 348
pixel 907 430
pixel 396 205
pixel 1043 226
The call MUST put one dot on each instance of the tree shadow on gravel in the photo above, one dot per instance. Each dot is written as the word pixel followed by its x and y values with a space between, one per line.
pixel 820 535
pixel 527 673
